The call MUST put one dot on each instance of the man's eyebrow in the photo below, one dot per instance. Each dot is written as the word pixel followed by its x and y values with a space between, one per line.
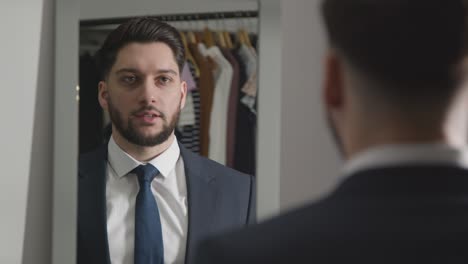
pixel 133 70
pixel 170 71
pixel 123 70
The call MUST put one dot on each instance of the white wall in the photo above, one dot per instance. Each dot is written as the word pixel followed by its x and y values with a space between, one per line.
pixel 309 162
pixel 26 67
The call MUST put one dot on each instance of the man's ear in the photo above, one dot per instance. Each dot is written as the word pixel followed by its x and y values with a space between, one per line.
pixel 333 86
pixel 103 95
pixel 183 92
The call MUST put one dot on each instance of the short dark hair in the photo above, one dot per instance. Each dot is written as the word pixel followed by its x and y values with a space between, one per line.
pixel 140 30
pixel 411 46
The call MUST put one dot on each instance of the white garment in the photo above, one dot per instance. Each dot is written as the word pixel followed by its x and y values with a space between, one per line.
pixel 170 191
pixel 396 155
pixel 219 112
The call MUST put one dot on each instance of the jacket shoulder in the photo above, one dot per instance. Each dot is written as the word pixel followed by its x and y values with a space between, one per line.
pixel 92 159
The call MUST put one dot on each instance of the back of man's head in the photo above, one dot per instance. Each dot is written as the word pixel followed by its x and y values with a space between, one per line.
pixel 409 48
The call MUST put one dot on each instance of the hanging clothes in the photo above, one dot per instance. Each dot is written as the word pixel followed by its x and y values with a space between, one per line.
pixel 205 88
pixel 196 107
pixel 249 59
pixel 249 88
pixel 186 124
pixel 246 126
pixel 189 119
pixel 232 107
pixel 218 124
pixel 188 77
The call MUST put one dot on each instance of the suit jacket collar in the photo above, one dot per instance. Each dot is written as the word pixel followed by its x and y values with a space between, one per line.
pixel 202 201
pixel 401 154
pixel 409 180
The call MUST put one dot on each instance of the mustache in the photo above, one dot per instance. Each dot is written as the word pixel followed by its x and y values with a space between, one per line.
pixel 149 108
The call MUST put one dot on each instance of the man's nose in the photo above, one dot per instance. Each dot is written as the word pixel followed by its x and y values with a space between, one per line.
pixel 149 92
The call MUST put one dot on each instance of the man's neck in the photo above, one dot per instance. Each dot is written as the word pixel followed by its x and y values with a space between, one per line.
pixel 142 153
pixel 362 139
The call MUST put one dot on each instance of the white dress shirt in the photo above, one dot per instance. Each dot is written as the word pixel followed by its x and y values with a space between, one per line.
pixel 170 191
pixel 397 155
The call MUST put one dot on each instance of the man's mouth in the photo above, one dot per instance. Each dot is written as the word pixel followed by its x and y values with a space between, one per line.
pixel 147 114
pixel 147 117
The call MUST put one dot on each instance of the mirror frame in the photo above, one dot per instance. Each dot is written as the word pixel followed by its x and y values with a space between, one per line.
pixel 269 123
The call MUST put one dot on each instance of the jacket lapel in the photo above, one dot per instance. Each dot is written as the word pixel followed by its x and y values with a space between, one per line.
pixel 92 233
pixel 202 201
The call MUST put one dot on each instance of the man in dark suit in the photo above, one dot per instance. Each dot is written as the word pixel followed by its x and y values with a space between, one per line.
pixel 144 198
pixel 391 87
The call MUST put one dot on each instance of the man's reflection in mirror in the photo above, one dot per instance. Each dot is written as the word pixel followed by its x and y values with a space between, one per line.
pixel 143 197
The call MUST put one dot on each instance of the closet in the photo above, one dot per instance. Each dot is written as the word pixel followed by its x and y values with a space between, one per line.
pixel 219 119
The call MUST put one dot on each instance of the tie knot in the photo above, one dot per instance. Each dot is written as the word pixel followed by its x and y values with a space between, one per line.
pixel 146 173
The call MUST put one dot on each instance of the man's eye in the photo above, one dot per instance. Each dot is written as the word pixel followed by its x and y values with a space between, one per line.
pixel 164 80
pixel 129 79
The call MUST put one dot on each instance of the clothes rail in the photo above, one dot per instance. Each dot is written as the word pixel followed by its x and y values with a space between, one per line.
pixel 175 17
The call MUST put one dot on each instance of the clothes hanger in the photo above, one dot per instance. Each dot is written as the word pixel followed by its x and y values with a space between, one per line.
pixel 246 37
pixel 188 54
pixel 243 37
pixel 225 33
pixel 189 33
pixel 252 25
pixel 239 35
pixel 199 36
pixel 228 40
pixel 219 34
pixel 208 37
pixel 220 39
pixel 191 37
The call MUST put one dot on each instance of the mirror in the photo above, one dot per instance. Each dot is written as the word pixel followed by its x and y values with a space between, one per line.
pixel 194 197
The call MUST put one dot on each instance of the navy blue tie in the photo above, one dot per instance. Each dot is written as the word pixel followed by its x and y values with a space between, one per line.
pixel 149 247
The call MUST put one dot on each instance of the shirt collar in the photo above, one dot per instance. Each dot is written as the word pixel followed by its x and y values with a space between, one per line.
pixel 395 155
pixel 123 163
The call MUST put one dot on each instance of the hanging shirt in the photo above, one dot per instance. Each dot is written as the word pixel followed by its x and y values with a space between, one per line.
pixel 249 59
pixel 244 158
pixel 249 88
pixel 232 107
pixel 218 125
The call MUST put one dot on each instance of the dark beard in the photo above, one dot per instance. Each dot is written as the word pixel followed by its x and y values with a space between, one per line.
pixel 133 136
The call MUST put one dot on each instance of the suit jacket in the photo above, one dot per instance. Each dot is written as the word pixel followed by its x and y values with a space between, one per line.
pixel 411 214
pixel 219 199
